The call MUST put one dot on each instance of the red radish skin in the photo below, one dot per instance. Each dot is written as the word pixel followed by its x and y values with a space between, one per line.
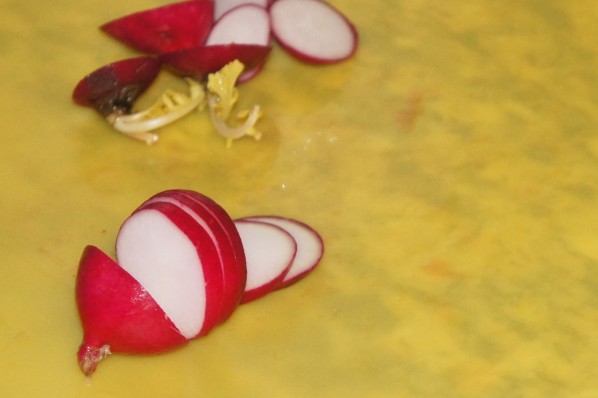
pixel 232 262
pixel 313 31
pixel 164 29
pixel 245 24
pixel 198 62
pixel 176 262
pixel 269 250
pixel 222 6
pixel 310 246
pixel 113 88
pixel 118 315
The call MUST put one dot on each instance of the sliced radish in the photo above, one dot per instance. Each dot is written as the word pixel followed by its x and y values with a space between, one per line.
pixel 245 24
pixel 310 246
pixel 165 29
pixel 269 251
pixel 175 260
pixel 222 6
pixel 313 31
pixel 197 62
pixel 232 258
pixel 113 88
pixel 117 313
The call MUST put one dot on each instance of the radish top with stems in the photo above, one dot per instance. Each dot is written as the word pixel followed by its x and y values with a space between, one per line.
pixel 220 94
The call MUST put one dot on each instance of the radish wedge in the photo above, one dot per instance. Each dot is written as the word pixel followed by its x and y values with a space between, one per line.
pixel 269 251
pixel 117 313
pixel 310 246
pixel 197 62
pixel 214 220
pixel 313 31
pixel 164 29
pixel 223 6
pixel 113 88
pixel 176 262
pixel 245 24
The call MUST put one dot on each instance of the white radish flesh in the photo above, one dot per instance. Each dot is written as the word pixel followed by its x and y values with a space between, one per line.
pixel 310 246
pixel 232 260
pixel 312 30
pixel 223 6
pixel 269 251
pixel 166 262
pixel 245 24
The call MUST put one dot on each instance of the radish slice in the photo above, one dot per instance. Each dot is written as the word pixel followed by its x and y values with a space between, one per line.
pixel 164 29
pixel 232 259
pixel 117 313
pixel 313 31
pixel 245 24
pixel 310 246
pixel 269 251
pixel 223 6
pixel 197 62
pixel 176 262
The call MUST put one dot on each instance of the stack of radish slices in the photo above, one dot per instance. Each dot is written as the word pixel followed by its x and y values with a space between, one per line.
pixel 198 37
pixel 183 268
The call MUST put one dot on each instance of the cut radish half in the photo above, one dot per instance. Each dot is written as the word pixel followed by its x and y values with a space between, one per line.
pixel 175 260
pixel 223 6
pixel 117 313
pixel 310 246
pixel 232 258
pixel 313 31
pixel 269 251
pixel 164 29
pixel 245 24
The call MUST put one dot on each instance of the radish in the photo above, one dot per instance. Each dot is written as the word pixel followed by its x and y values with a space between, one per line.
pixel 310 246
pixel 183 266
pixel 269 251
pixel 117 313
pixel 222 6
pixel 113 88
pixel 245 24
pixel 313 31
pixel 176 262
pixel 218 225
pixel 197 62
pixel 164 29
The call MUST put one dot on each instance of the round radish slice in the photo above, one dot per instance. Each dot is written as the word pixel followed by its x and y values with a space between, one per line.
pixel 245 24
pixel 176 262
pixel 222 6
pixel 313 31
pixel 269 251
pixel 117 313
pixel 232 259
pixel 310 246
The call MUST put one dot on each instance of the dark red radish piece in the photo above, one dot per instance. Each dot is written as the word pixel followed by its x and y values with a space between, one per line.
pixel 310 246
pixel 222 6
pixel 250 74
pixel 197 62
pixel 113 88
pixel 269 251
pixel 232 259
pixel 313 31
pixel 176 262
pixel 164 29
pixel 118 315
pixel 245 24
